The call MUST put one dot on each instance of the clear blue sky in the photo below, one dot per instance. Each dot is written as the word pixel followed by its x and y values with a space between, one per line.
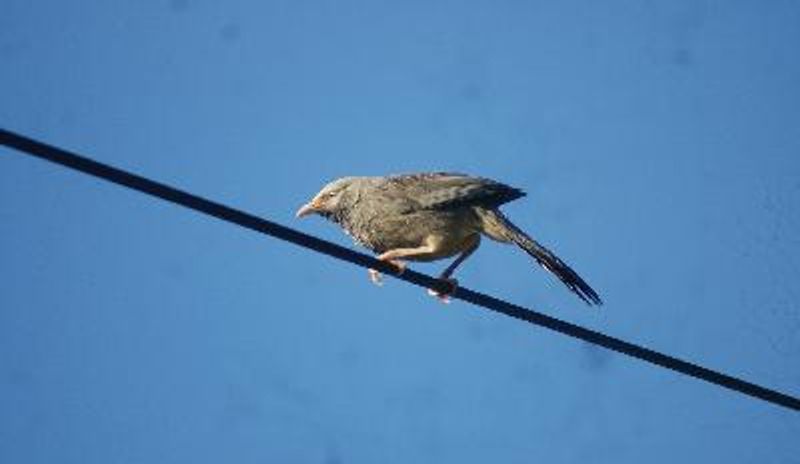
pixel 658 142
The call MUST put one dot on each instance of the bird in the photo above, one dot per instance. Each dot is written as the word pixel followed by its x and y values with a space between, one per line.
pixel 432 216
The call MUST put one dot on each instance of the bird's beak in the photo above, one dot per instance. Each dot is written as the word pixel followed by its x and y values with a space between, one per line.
pixel 307 209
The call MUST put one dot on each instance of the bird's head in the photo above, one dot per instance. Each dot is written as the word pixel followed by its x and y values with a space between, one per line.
pixel 331 201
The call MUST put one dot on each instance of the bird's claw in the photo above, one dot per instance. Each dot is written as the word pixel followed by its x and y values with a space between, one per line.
pixel 400 265
pixel 445 296
pixel 376 276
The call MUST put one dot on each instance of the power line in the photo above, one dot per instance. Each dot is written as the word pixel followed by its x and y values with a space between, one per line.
pixel 80 163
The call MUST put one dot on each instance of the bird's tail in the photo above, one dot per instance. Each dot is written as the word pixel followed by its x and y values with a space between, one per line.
pixel 498 227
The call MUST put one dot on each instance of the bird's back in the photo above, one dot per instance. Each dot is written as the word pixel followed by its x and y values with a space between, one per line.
pixel 442 191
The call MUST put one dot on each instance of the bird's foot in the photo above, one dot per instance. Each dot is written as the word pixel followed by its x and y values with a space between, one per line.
pixel 400 265
pixel 376 276
pixel 445 296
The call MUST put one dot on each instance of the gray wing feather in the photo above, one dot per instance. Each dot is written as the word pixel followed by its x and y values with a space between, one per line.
pixel 450 190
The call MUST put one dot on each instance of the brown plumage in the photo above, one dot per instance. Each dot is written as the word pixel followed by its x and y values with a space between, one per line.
pixel 431 216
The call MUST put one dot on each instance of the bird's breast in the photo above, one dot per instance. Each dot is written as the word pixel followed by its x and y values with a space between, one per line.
pixel 384 230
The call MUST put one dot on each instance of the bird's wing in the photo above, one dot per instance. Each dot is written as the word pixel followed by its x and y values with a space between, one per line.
pixel 442 190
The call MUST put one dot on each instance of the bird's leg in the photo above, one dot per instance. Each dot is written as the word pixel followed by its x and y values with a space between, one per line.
pixel 472 245
pixel 393 257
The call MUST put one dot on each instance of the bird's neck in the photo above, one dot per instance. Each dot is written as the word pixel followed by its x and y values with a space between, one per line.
pixel 341 217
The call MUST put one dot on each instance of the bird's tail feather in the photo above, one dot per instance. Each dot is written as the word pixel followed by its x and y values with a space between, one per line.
pixel 498 227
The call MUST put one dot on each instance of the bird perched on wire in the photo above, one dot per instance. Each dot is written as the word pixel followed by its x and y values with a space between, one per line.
pixel 432 216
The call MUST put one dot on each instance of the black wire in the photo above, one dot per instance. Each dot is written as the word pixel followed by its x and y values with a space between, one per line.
pixel 135 182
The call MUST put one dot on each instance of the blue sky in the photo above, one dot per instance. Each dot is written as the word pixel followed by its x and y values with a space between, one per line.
pixel 658 142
